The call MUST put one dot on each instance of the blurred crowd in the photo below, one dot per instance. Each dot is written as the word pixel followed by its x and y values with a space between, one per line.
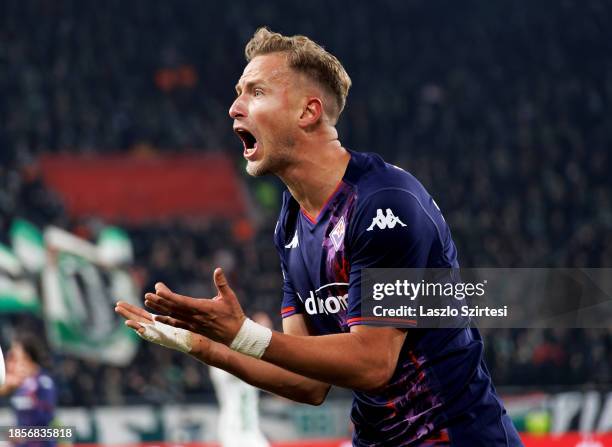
pixel 501 109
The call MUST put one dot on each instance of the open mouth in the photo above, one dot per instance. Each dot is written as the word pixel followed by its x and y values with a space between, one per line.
pixel 248 140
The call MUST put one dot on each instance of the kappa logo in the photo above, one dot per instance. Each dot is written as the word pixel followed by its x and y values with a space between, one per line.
pixel 294 242
pixel 383 221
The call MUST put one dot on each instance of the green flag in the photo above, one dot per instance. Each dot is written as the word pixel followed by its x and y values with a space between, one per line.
pixel 80 286
pixel 17 289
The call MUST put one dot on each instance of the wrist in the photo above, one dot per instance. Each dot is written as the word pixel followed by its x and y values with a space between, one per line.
pixel 203 349
pixel 168 336
pixel 252 339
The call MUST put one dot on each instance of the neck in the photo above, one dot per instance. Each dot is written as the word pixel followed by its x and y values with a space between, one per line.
pixel 315 175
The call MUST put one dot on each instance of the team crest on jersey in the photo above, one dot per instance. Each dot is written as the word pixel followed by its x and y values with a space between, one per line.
pixel 337 234
pixel 383 221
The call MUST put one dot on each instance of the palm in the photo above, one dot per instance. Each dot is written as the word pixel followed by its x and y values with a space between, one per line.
pixel 219 318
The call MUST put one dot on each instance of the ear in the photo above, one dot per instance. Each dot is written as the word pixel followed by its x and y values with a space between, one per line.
pixel 312 112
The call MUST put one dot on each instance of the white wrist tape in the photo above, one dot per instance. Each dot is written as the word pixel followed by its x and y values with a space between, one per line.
pixel 166 335
pixel 252 339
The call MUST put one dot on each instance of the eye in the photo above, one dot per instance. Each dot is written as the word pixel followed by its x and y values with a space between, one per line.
pixel 257 92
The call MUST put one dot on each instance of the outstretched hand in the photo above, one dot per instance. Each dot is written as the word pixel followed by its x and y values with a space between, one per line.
pixel 135 316
pixel 219 318
pixel 149 328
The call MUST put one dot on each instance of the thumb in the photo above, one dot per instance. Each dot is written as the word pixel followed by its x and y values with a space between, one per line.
pixel 221 282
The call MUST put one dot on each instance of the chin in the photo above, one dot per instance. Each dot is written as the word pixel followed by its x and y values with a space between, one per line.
pixel 256 168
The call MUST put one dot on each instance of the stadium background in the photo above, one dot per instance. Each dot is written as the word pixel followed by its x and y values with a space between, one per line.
pixel 114 128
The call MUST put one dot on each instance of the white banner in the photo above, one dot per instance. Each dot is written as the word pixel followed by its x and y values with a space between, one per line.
pixel 80 283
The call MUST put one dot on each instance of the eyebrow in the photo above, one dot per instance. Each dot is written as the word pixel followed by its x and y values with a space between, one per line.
pixel 249 85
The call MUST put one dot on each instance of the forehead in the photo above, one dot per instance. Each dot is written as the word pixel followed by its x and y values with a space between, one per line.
pixel 267 67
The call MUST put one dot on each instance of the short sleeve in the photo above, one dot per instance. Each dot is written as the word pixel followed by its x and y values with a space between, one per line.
pixel 291 304
pixel 390 229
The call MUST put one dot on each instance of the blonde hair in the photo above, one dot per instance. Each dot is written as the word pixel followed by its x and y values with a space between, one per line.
pixel 305 56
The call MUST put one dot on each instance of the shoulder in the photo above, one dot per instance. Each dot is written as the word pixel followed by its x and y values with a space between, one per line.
pixel 395 222
pixel 45 382
pixel 370 174
pixel 381 187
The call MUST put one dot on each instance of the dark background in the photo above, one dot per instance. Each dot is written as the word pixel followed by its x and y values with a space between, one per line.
pixel 501 109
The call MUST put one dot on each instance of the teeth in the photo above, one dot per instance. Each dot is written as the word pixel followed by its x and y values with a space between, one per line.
pixel 251 150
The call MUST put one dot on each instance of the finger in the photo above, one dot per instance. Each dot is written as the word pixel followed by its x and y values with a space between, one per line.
pixel 134 325
pixel 180 300
pixel 221 282
pixel 131 312
pixel 168 306
pixel 174 322
pixel 165 310
pixel 124 313
pixel 156 307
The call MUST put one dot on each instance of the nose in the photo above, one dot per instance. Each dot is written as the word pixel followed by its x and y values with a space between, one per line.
pixel 238 109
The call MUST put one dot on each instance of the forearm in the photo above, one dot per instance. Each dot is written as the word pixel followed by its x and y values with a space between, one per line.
pixel 345 360
pixel 263 375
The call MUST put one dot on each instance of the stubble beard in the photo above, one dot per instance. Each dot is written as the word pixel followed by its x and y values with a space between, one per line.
pixel 273 161
pixel 256 168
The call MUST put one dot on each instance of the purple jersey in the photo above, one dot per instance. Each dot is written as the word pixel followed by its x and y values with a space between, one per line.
pixel 34 404
pixel 380 216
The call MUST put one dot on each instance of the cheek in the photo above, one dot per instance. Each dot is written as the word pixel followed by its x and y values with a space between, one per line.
pixel 271 113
